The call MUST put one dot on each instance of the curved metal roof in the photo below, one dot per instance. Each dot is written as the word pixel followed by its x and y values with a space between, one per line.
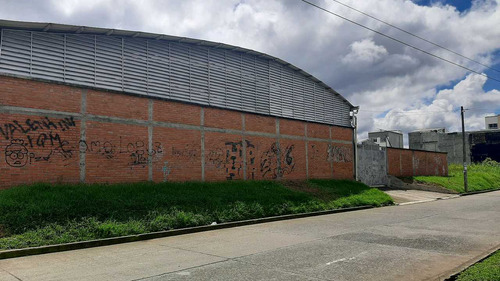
pixel 65 28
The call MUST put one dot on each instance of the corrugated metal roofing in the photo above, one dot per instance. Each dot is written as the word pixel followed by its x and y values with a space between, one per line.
pixel 205 72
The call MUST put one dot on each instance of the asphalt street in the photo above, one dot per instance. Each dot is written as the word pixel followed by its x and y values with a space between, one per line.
pixel 426 241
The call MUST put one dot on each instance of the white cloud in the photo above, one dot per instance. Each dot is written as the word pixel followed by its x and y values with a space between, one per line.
pixel 364 52
pixel 444 111
pixel 374 72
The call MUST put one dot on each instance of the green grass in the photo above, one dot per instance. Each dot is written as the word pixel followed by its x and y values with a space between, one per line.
pixel 487 270
pixel 482 176
pixel 44 214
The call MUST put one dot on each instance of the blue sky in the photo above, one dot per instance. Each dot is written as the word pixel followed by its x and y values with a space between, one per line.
pixel 459 4
pixel 463 6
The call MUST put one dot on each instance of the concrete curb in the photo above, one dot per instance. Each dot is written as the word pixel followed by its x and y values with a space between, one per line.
pixel 453 273
pixel 152 235
pixel 454 196
pixel 479 192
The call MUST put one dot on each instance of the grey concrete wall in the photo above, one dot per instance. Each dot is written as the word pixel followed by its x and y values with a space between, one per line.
pixel 372 164
pixel 442 142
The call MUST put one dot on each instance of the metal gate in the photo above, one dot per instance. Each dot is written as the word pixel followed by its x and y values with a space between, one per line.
pixel 372 164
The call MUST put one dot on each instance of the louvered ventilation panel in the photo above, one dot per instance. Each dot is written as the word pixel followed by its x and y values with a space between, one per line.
pixel 172 70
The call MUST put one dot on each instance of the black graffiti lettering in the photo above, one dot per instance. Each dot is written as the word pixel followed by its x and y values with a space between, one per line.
pixel 234 152
pixel 276 162
pixel 33 125
pixel 12 129
pixel 30 141
pixel 9 130
pixel 22 129
pixel 139 158
pixel 159 148
pixel 48 124
pixel 339 154
pixel 136 150
pixel 42 158
pixel 42 138
pixel 5 134
pixel 216 157
pixel 186 152
pixel 107 150
pixel 230 158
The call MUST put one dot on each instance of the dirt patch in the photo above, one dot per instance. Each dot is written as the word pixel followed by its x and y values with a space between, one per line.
pixel 304 186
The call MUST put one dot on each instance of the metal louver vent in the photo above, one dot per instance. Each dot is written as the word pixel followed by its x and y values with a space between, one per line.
pixel 172 70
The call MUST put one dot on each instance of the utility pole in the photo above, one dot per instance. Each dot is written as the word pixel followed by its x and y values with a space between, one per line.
pixel 354 123
pixel 464 150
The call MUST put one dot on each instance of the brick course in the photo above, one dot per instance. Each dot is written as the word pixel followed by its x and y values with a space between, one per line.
pixel 407 163
pixel 59 143
pixel 107 104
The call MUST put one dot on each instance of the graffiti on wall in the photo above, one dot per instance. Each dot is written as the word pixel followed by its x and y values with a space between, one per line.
pixel 187 152
pixel 272 163
pixel 36 140
pixel 276 161
pixel 339 154
pixel 29 126
pixel 43 140
pixel 230 158
pixel 137 151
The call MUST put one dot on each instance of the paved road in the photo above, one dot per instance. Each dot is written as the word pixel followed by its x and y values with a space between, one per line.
pixel 411 242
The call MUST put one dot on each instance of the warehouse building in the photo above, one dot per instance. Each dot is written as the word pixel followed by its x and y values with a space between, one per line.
pixel 83 104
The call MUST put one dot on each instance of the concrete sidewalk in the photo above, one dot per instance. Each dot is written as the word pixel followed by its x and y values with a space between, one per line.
pixel 410 242
pixel 417 196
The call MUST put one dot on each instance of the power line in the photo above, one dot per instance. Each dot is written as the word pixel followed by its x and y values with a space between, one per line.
pixel 399 41
pixel 388 111
pixel 422 113
pixel 483 109
pixel 416 36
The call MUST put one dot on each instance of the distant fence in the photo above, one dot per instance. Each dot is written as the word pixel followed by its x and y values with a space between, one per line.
pixel 374 163
pixel 407 163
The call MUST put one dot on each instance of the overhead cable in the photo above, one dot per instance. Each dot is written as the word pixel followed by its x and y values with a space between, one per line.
pixel 416 36
pixel 400 41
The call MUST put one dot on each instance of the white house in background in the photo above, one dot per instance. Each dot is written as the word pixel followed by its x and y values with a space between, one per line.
pixel 492 122
pixel 386 138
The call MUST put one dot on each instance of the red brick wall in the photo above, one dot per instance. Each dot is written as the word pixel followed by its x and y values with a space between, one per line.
pixel 342 157
pixel 258 123
pixel 174 112
pixel 292 127
pixel 115 152
pixel 340 133
pixel 176 155
pixel 262 158
pixel 104 103
pixel 319 166
pixel 407 163
pixel 26 93
pixel 38 148
pixel 318 131
pixel 224 119
pixel 430 163
pixel 223 156
pixel 293 159
pixel 44 137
